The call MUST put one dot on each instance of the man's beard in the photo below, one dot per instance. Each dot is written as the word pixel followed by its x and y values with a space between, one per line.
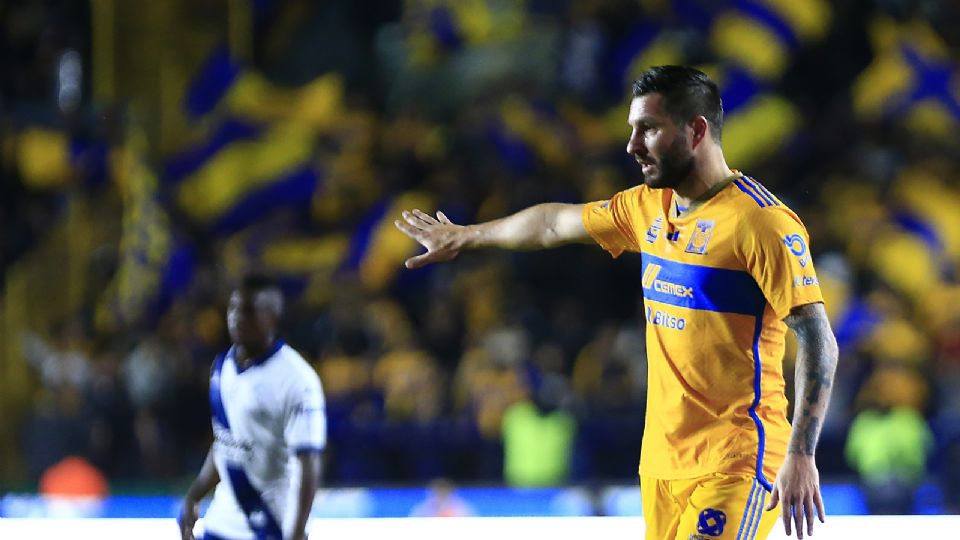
pixel 673 167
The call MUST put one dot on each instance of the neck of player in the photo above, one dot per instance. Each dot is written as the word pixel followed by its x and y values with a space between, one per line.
pixel 708 171
pixel 245 354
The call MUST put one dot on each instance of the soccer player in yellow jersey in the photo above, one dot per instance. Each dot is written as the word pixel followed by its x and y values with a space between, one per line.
pixel 726 270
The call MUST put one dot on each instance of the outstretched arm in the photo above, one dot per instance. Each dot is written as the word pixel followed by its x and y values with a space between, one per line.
pixel 537 227
pixel 798 482
pixel 206 480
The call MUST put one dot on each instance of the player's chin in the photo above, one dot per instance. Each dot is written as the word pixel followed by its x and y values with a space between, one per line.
pixel 654 181
pixel 246 339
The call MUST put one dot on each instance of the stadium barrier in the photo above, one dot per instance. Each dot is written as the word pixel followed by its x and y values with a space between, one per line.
pixel 840 499
pixel 574 528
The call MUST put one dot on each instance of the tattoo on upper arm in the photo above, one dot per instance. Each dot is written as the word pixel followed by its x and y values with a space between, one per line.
pixel 816 362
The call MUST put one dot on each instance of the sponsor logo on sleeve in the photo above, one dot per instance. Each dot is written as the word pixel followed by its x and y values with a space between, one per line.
pixel 304 408
pixel 798 247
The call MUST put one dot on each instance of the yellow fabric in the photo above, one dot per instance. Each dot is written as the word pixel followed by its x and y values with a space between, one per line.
pixel 889 80
pixel 932 118
pixel 316 104
pixel 809 20
pixel 924 190
pixel 43 157
pixel 408 380
pixel 747 42
pixel 523 121
pixel 388 246
pixel 306 254
pixel 343 375
pixel 486 390
pixel 663 51
pixel 242 168
pixel 145 243
pixel 701 365
pixel 895 247
pixel 759 129
pixel 892 385
pixel 897 339
pixel 836 294
pixel 690 508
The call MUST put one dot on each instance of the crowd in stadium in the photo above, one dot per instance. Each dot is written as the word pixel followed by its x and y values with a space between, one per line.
pixel 296 160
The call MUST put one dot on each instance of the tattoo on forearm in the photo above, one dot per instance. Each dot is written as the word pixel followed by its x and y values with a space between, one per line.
pixel 816 362
pixel 805 442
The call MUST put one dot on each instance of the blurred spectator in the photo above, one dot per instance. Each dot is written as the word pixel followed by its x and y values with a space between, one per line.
pixel 63 363
pixel 610 377
pixel 54 430
pixel 539 434
pixel 889 442
pixel 441 501
pixel 75 477
pixel 146 371
pixel 112 444
pixel 487 380
pixel 411 386
pixel 73 488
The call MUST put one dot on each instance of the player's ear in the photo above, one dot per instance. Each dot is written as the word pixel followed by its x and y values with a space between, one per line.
pixel 700 130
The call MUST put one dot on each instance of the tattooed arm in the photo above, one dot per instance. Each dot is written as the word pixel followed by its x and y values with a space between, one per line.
pixel 816 363
pixel 798 482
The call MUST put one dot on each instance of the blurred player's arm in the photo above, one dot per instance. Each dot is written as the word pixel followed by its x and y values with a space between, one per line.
pixel 205 481
pixel 798 484
pixel 309 483
pixel 538 227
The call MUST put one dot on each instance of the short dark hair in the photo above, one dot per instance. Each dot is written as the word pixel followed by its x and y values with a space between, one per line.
pixel 687 93
pixel 257 282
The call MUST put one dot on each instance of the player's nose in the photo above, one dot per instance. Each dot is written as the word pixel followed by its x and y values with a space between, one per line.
pixel 635 146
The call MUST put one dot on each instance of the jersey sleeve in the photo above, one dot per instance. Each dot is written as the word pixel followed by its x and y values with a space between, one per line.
pixel 610 222
pixel 305 425
pixel 775 248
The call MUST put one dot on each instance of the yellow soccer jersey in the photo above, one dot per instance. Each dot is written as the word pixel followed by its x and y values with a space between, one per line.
pixel 717 283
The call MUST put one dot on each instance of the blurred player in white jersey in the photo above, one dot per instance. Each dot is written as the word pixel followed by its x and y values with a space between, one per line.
pixel 269 429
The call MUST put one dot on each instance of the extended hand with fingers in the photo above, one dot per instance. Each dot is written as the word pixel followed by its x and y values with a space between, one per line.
pixel 798 488
pixel 443 239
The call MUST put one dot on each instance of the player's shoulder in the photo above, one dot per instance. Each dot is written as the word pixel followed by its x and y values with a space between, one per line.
pixel 750 194
pixel 294 366
pixel 633 196
pixel 639 191
pixel 758 205
pixel 290 358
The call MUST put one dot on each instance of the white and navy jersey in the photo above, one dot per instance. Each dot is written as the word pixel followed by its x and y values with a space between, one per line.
pixel 263 416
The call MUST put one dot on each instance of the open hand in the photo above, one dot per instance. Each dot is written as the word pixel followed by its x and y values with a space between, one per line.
pixel 798 486
pixel 442 238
